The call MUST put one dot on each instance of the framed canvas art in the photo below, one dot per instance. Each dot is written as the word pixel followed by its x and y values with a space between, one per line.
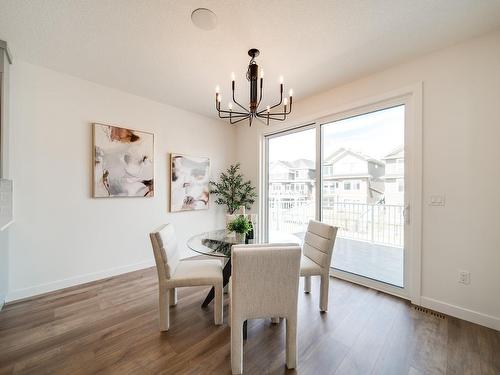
pixel 189 183
pixel 123 162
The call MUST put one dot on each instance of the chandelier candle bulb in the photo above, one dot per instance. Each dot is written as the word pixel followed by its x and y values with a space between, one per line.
pixel 230 106
pixel 290 93
pixel 281 79
pixel 285 101
pixel 261 73
pixel 217 89
pixel 232 76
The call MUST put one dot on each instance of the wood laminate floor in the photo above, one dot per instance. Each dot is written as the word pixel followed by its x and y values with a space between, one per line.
pixel 111 326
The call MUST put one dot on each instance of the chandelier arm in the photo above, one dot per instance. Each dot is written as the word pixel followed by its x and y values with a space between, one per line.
pixel 238 104
pixel 233 113
pixel 274 106
pixel 272 116
pixel 241 119
pixel 284 113
pixel 232 116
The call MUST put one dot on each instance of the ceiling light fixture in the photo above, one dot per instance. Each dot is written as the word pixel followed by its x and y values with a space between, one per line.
pixel 253 112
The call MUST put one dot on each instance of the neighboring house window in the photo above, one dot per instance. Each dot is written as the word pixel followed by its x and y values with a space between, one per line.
pixel 347 186
pixel 357 185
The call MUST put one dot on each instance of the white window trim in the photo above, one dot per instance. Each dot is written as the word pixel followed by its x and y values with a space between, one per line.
pixel 411 97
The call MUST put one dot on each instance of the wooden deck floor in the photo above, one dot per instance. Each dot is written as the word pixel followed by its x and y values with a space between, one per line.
pixel 110 326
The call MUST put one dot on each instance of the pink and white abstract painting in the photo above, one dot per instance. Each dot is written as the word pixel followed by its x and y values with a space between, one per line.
pixel 123 162
pixel 189 184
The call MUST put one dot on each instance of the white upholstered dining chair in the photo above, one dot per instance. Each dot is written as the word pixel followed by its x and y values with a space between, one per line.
pixel 316 257
pixel 174 273
pixel 264 284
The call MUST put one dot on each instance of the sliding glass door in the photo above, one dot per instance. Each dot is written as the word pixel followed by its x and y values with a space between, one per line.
pixel 348 171
pixel 363 193
pixel 291 183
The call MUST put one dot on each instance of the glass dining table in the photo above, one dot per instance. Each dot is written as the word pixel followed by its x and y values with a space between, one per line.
pixel 216 243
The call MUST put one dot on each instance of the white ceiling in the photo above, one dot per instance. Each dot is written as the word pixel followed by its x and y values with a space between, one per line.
pixel 151 48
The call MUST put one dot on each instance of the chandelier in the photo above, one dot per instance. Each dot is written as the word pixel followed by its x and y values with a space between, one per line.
pixel 252 111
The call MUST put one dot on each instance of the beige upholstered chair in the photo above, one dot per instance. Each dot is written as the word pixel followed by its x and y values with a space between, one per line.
pixel 316 257
pixel 174 273
pixel 264 284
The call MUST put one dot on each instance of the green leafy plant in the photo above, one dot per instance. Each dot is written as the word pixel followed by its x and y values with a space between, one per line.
pixel 240 225
pixel 232 190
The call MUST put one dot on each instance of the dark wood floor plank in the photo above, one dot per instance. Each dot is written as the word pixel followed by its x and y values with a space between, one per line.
pixel 463 348
pixel 111 327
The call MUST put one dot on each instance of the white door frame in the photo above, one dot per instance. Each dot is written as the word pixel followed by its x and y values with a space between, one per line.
pixel 411 97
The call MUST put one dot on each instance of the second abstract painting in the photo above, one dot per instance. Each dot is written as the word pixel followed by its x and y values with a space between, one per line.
pixel 189 184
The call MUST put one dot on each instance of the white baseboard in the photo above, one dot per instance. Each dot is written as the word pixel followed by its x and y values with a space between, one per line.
pixel 462 313
pixel 76 280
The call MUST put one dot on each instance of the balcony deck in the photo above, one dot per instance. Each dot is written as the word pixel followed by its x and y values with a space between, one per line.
pixel 379 262
pixel 375 261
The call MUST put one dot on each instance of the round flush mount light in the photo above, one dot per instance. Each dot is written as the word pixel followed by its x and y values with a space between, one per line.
pixel 204 19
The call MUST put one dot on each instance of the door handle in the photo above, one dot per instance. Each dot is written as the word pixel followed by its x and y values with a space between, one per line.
pixel 406 214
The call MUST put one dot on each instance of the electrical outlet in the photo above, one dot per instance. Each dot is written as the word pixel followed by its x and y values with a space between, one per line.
pixel 464 277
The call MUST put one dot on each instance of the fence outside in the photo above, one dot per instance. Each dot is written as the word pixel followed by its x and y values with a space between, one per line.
pixel 377 223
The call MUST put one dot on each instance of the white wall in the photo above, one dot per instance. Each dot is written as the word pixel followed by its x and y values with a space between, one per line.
pixel 4 266
pixel 61 235
pixel 461 155
pixel 5 160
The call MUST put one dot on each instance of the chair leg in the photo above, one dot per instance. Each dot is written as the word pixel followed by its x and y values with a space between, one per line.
pixel 323 296
pixel 164 309
pixel 291 342
pixel 173 297
pixel 218 305
pixel 307 284
pixel 236 346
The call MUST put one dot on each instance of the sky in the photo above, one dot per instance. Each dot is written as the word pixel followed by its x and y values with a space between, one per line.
pixel 375 134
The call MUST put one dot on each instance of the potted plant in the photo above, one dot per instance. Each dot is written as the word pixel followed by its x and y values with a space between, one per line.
pixel 232 190
pixel 241 226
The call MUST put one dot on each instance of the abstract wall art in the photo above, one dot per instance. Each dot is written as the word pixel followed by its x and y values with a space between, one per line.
pixel 189 183
pixel 123 162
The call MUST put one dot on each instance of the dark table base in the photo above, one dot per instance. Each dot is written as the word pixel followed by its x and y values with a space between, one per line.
pixel 226 274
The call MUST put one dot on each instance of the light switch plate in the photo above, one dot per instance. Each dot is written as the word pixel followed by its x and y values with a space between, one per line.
pixel 436 200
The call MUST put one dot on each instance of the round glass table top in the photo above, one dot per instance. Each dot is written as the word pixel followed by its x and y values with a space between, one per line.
pixel 215 243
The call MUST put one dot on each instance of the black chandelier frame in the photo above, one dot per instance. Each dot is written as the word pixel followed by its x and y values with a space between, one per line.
pixel 253 112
